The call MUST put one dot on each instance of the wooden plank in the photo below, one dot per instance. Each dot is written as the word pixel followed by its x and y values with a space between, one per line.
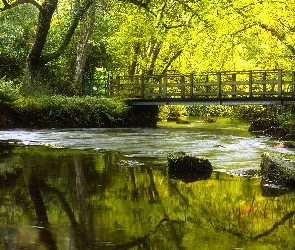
pixel 191 85
pixel 280 83
pixel 218 85
pixel 235 83
pixel 205 84
pixel 233 94
pixel 165 86
pixel 250 84
pixel 142 86
pixel 205 94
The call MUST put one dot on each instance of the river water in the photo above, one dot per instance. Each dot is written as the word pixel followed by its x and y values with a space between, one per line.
pixel 227 143
pixel 109 189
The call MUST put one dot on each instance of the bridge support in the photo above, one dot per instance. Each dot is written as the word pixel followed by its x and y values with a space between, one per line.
pixel 143 115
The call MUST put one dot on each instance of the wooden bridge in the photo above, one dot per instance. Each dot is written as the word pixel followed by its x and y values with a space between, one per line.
pixel 261 87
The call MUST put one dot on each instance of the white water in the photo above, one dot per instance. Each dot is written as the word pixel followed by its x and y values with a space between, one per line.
pixel 226 144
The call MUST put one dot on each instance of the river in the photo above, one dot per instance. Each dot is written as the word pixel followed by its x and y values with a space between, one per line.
pixel 107 188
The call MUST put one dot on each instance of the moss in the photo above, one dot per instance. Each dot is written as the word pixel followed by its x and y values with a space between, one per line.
pixel 278 168
pixel 188 168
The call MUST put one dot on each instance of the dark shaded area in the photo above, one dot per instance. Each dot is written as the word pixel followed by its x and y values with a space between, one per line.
pixel 189 177
pixel 142 116
pixel 267 125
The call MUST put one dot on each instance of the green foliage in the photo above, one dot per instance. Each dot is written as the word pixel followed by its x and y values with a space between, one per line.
pixel 287 120
pixel 171 112
pixel 157 37
pixel 16 37
pixel 60 111
pixel 209 110
pixel 9 92
pixel 248 112
pixel 268 124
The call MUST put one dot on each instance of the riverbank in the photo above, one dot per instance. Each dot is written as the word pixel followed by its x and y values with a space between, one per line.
pixel 74 112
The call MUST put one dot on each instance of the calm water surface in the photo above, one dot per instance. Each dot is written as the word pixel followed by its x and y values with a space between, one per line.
pixel 109 189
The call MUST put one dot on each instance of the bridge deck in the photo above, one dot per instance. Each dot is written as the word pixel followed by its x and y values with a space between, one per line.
pixel 211 101
pixel 227 88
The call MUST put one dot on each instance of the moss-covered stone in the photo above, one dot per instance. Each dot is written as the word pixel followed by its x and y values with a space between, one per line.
pixel 278 168
pixel 188 168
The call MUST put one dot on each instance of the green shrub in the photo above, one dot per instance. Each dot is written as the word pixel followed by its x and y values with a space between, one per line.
pixel 8 91
pixel 60 111
pixel 248 112
pixel 171 112
pixel 287 120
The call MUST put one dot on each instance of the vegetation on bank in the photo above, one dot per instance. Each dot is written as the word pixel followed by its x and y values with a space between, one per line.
pixel 62 111
pixel 245 112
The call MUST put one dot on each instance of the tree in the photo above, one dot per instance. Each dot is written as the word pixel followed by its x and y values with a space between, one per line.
pixel 38 56
pixel 16 34
pixel 144 40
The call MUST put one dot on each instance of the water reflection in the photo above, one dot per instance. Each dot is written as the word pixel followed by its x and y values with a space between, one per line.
pixel 84 199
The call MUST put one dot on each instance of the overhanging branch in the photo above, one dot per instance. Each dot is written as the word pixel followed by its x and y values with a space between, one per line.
pixel 82 10
pixel 19 2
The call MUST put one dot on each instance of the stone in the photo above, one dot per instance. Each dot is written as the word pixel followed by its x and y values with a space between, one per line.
pixel 188 168
pixel 278 168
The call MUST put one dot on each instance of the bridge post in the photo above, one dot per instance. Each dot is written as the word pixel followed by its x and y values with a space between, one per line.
pixel 142 86
pixel 250 84
pixel 280 82
pixel 234 87
pixel 218 85
pixel 118 84
pixel 264 84
pixel 165 86
pixel 182 81
pixel 191 89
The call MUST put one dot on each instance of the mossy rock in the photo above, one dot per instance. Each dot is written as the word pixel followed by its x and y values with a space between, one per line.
pixel 188 163
pixel 188 168
pixel 278 168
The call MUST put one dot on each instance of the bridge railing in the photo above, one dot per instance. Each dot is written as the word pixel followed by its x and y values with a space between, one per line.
pixel 229 84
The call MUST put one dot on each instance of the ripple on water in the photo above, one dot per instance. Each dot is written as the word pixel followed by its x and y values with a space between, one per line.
pixel 227 145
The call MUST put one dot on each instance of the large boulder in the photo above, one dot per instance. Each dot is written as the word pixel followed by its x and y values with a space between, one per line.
pixel 278 168
pixel 188 168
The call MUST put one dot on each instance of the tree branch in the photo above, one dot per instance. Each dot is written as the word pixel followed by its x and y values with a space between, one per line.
pixel 172 59
pixel 280 37
pixel 19 2
pixel 82 10
pixel 140 3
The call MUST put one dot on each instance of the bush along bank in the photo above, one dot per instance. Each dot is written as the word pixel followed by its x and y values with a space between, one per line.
pixel 281 126
pixel 73 112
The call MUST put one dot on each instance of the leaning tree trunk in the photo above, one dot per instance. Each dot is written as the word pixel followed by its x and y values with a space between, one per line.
pixel 35 60
pixel 86 32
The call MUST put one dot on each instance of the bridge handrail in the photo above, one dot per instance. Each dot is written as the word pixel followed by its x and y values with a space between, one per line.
pixel 249 84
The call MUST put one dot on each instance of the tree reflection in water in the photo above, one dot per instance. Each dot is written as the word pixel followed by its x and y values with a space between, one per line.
pixel 67 199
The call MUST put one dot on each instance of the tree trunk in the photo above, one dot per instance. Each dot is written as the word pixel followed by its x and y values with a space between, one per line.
pixel 46 11
pixel 86 32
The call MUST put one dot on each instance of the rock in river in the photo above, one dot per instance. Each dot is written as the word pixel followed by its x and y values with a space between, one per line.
pixel 278 168
pixel 188 168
